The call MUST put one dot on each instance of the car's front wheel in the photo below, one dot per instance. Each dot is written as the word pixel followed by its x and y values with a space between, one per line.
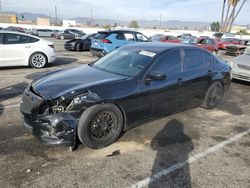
pixel 213 95
pixel 100 125
pixel 38 60
pixel 79 47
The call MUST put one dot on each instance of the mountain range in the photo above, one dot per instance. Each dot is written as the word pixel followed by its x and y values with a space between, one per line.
pixel 172 24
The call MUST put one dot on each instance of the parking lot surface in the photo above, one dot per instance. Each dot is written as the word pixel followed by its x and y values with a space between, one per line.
pixel 195 148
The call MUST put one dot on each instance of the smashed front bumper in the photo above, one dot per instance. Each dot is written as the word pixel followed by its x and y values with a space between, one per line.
pixel 53 129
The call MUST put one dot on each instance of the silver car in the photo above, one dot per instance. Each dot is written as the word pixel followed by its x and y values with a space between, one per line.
pixel 241 66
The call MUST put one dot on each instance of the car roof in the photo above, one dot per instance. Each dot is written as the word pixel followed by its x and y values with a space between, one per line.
pixel 19 33
pixel 158 47
pixel 116 31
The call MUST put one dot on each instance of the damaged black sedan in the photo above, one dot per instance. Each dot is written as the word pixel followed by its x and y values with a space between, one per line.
pixel 131 85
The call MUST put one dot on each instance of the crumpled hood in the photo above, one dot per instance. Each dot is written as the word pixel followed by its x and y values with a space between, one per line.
pixel 59 83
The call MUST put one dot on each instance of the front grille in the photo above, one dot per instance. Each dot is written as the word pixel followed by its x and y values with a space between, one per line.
pixel 30 102
pixel 246 67
pixel 232 49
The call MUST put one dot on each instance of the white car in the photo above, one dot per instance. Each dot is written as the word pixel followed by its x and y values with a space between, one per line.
pixel 241 66
pixel 19 49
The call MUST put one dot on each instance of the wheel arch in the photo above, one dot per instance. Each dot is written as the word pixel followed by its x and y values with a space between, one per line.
pixel 29 58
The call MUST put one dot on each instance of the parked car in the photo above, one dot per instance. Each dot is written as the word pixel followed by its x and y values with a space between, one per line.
pixel 222 44
pixel 70 34
pixel 171 39
pixel 241 66
pixel 107 41
pixel 15 29
pixel 82 44
pixel 190 40
pixel 208 44
pixel 156 37
pixel 45 33
pixel 220 35
pixel 19 49
pixel 236 49
pixel 133 84
pixel 184 36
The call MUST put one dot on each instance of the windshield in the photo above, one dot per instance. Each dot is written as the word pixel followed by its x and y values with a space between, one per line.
pixel 125 62
pixel 190 41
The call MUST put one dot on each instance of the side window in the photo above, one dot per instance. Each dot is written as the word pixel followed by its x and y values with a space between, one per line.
pixel 1 38
pixel 209 41
pixel 169 63
pixel 120 36
pixel 172 38
pixel 129 36
pixel 11 38
pixel 195 59
pixel 31 39
pixel 202 41
pixel 140 37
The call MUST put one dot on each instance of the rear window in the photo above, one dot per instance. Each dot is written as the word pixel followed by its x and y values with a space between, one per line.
pixel 102 35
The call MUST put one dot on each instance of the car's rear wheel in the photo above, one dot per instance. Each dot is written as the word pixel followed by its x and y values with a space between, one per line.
pixel 213 95
pixel 100 125
pixel 38 60
pixel 78 47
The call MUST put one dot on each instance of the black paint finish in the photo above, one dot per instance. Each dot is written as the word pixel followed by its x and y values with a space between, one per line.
pixel 170 83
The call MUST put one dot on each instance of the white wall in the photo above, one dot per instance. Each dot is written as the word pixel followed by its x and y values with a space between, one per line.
pixel 147 32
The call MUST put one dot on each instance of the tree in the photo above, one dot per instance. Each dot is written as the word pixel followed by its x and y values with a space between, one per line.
pixel 215 26
pixel 133 24
pixel 107 26
pixel 231 13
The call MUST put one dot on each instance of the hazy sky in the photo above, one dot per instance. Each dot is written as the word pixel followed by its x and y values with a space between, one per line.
pixel 187 10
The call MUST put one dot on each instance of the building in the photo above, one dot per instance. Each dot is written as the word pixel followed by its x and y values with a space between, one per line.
pixel 69 23
pixel 43 21
pixel 8 18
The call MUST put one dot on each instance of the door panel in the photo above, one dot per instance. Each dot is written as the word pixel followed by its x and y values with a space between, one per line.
pixel 197 76
pixel 1 55
pixel 16 49
pixel 167 95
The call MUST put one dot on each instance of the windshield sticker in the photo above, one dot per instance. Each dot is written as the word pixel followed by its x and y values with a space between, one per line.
pixel 147 53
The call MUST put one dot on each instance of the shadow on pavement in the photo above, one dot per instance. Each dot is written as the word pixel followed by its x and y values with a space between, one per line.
pixel 62 61
pixel 12 91
pixel 172 146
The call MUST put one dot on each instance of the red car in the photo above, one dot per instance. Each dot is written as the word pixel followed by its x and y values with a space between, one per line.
pixel 208 44
pixel 222 44
pixel 171 39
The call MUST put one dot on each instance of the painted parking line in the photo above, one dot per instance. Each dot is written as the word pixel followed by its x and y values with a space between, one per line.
pixel 9 106
pixel 194 158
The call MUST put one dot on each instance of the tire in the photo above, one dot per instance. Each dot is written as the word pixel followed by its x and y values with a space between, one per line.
pixel 78 47
pixel 38 60
pixel 95 123
pixel 213 96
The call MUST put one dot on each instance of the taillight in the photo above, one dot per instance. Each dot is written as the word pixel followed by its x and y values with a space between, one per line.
pixel 51 45
pixel 105 41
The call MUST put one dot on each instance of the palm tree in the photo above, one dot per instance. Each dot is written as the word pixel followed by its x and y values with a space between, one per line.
pixel 222 15
pixel 230 14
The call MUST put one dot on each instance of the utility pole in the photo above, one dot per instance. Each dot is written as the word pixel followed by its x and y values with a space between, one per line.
pixel 56 14
pixel 1 11
pixel 160 21
pixel 91 17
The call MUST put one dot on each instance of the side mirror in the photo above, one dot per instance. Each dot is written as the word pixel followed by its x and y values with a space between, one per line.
pixel 156 76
